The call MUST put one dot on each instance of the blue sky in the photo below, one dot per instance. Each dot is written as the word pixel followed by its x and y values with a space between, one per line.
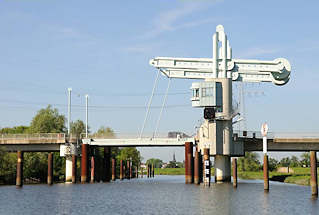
pixel 103 47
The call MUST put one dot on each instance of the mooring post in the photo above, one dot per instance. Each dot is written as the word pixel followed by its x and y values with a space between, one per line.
pixel 19 179
pixel 92 169
pixel 188 162
pixel 153 170
pixel 313 180
pixel 74 168
pixel 84 163
pixel 196 167
pixel 266 173
pixel 113 169
pixel 206 172
pixel 131 171
pixel 50 168
pixel 234 172
pixel 106 164
pixel 121 170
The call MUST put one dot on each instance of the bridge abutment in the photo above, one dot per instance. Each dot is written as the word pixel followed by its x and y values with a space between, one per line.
pixel 222 168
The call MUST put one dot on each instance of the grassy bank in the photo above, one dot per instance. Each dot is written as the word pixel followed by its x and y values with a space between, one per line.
pixel 300 176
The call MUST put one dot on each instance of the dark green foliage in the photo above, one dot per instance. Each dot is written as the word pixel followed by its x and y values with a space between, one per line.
pixel 156 162
pixel 249 163
pixel 77 128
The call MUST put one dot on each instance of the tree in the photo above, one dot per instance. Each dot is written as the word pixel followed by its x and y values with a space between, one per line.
pixel 128 153
pixel 305 159
pixel 294 161
pixel 15 130
pixel 77 128
pixel 285 162
pixel 156 162
pixel 250 162
pixel 272 164
pixel 105 132
pixel 48 120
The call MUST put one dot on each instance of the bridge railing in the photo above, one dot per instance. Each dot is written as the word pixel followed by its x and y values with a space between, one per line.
pixel 133 135
pixel 272 135
pixel 252 134
pixel 33 136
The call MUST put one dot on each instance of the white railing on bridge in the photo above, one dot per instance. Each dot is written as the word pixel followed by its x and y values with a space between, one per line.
pixel 38 136
pixel 134 135
pixel 273 135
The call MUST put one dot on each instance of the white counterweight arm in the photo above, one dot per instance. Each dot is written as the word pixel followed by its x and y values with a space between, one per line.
pixel 276 71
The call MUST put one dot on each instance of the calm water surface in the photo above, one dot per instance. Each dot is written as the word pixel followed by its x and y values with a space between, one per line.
pixel 160 195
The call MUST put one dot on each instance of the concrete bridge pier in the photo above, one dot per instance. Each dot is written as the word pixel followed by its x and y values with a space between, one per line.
pixel 19 179
pixel 68 168
pixel 84 163
pixel 113 169
pixel 189 170
pixel 314 179
pixel 50 168
pixel 222 168
pixel 74 168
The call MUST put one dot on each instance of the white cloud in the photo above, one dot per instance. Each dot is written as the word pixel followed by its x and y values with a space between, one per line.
pixel 170 20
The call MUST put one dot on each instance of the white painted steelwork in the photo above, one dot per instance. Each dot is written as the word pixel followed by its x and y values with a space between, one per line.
pixel 136 142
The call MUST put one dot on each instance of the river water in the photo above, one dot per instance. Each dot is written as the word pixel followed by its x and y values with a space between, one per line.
pixel 159 195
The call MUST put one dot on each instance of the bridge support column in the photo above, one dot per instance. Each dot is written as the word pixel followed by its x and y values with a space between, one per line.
pixel 314 179
pixel 222 168
pixel 136 172
pixel 206 172
pixel 74 168
pixel 92 169
pixel 121 170
pixel 68 168
pixel 153 170
pixel 266 173
pixel 188 162
pixel 106 164
pixel 84 163
pixel 19 179
pixel 196 167
pixel 50 168
pixel 128 169
pixel 113 169
pixel 142 172
pixel 148 170
pixel 235 173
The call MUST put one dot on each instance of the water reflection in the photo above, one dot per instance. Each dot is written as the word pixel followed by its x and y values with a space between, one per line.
pixel 159 195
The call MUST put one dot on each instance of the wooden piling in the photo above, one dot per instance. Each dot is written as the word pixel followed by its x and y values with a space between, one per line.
pixel 188 162
pixel 196 168
pixel 74 168
pixel 19 179
pixel 113 169
pixel 234 172
pixel 131 170
pixel 84 163
pixel 92 169
pixel 50 169
pixel 128 169
pixel 121 170
pixel 313 168
pixel 266 173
